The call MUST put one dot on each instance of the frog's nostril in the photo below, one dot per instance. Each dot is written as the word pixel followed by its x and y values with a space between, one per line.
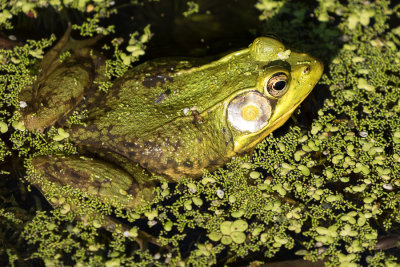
pixel 306 69
pixel 249 112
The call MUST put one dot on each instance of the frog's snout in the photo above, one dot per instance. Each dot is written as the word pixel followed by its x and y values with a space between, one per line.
pixel 249 112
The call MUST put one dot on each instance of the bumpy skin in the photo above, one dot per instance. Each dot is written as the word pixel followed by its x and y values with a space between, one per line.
pixel 170 117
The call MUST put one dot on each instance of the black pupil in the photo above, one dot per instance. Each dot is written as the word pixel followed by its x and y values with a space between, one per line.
pixel 279 85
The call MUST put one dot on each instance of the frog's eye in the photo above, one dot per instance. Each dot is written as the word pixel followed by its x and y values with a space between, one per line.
pixel 277 84
pixel 249 112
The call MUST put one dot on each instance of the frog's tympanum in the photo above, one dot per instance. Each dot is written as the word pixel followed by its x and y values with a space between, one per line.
pixel 168 117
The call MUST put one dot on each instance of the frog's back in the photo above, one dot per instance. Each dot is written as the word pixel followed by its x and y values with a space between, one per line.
pixel 160 91
pixel 175 119
pixel 152 116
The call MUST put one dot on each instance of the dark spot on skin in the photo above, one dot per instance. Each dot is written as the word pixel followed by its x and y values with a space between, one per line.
pixel 214 162
pixel 177 145
pixel 172 164
pixel 76 178
pixel 197 119
pixel 188 163
pixel 148 144
pixel 153 80
pixel 133 189
pixel 73 176
pixel 230 141
pixel 163 96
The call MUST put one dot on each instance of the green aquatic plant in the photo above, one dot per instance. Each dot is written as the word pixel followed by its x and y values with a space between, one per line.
pixel 324 189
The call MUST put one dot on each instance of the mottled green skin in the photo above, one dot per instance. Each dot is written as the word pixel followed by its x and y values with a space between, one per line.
pixel 142 119
pixel 95 177
pixel 168 117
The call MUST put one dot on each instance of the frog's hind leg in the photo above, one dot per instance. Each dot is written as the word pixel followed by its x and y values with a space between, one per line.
pixel 93 177
pixel 60 85
pixel 55 176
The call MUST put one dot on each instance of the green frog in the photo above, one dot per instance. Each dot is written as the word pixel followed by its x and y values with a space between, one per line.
pixel 167 117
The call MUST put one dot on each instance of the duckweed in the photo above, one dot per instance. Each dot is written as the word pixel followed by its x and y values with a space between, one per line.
pixel 192 187
pixel 61 135
pixel 328 185
pixel 18 125
pixel 197 201
pixel 237 214
pixel 168 226
pixel 3 127
pixel 254 175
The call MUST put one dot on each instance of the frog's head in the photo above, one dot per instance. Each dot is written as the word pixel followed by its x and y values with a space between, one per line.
pixel 284 80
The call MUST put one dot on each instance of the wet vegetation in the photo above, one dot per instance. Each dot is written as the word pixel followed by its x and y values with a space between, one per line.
pixel 325 186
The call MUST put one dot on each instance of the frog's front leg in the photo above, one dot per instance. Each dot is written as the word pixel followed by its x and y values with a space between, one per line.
pixel 60 85
pixel 58 95
pixel 95 177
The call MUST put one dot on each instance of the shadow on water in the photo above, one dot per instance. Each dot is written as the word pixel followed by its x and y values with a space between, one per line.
pixel 217 27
